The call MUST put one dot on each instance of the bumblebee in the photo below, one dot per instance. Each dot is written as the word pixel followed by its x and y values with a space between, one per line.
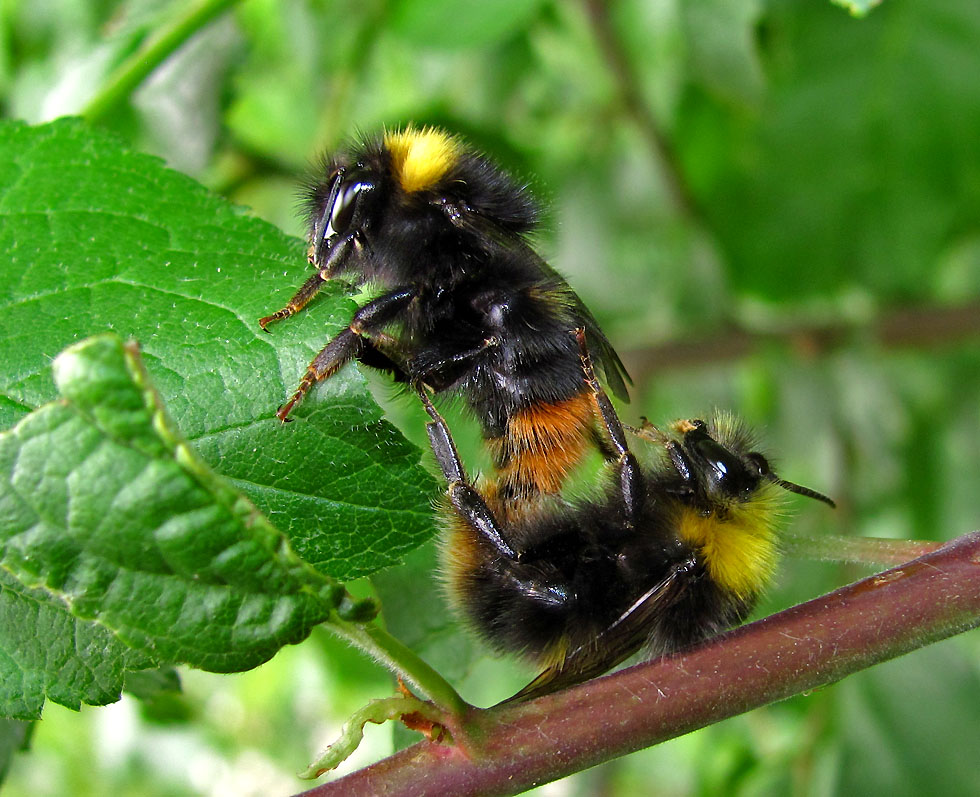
pixel 466 305
pixel 667 556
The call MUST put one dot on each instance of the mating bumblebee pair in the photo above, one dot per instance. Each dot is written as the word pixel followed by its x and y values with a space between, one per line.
pixel 667 554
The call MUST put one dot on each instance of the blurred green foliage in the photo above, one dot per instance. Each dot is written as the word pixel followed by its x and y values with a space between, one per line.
pixel 772 207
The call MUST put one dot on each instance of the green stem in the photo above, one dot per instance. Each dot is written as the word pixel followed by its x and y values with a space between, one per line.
pixel 871 551
pixel 378 712
pixel 401 660
pixel 156 49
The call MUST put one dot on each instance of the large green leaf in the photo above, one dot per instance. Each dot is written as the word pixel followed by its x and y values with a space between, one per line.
pixel 94 237
pixel 121 550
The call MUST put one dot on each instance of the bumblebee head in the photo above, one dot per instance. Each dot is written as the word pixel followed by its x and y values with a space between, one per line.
pixel 372 181
pixel 725 468
pixel 728 506
pixel 420 180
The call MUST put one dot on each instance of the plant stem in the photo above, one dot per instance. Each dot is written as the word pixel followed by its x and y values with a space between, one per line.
pixel 156 49
pixel 377 711
pixel 872 551
pixel 403 661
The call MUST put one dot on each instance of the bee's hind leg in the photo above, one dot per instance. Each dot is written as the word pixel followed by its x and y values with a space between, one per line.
pixel 631 482
pixel 466 500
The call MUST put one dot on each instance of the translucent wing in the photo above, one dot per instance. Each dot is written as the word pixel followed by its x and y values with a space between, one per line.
pixel 604 357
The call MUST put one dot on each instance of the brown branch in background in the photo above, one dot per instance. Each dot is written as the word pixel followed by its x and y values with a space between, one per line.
pixel 638 110
pixel 916 327
pixel 518 746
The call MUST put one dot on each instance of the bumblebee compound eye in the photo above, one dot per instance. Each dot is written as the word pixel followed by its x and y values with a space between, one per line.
pixel 345 206
pixel 341 215
pixel 758 463
pixel 722 471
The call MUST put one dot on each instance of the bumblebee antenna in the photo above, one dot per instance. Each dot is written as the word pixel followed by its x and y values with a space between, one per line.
pixel 800 490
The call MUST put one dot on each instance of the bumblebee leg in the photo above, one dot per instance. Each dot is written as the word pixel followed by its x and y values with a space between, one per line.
pixel 382 352
pixel 469 354
pixel 682 464
pixel 441 440
pixel 297 303
pixel 305 294
pixel 467 502
pixel 631 483
pixel 349 343
pixel 439 369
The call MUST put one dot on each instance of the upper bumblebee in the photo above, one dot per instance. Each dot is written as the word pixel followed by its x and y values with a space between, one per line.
pixel 463 304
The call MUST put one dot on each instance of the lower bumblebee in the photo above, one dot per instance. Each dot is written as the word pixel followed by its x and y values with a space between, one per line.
pixel 668 556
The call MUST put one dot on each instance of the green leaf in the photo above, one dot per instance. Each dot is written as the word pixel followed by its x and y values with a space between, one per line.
pixel 94 237
pixel 106 509
pixel 161 698
pixel 454 24
pixel 47 653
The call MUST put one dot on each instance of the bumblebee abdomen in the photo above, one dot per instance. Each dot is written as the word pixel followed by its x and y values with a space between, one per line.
pixel 541 445
pixel 579 586
pixel 538 413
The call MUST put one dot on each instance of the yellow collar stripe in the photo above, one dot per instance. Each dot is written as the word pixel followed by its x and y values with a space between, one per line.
pixel 421 157
pixel 739 551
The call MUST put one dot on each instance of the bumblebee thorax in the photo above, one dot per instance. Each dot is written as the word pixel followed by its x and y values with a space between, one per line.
pixel 736 542
pixel 420 157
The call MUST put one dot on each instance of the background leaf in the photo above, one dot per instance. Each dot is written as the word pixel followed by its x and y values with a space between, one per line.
pixel 14 736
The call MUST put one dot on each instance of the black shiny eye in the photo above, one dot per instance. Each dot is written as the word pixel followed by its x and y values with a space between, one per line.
pixel 724 471
pixel 345 206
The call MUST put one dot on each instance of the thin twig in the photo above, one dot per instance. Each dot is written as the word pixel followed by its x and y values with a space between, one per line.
pixel 154 51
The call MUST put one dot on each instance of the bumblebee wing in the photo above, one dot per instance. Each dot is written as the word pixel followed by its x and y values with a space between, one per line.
pixel 604 357
pixel 603 354
pixel 619 641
